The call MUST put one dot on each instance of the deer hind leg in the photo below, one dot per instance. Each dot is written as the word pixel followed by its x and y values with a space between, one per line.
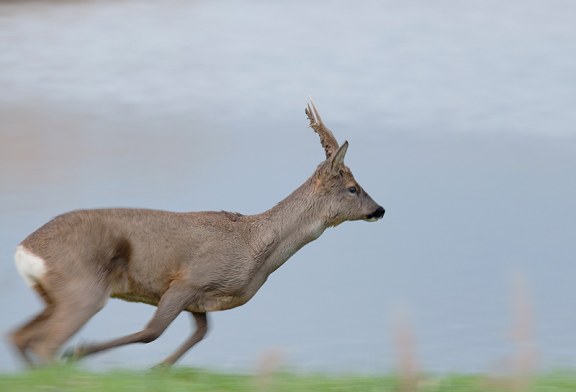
pixel 201 329
pixel 74 304
pixel 176 299
pixel 23 337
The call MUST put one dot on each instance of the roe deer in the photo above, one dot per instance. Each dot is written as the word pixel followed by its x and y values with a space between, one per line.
pixel 196 262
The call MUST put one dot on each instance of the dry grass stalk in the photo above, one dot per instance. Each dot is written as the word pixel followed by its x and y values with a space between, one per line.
pixel 521 367
pixel 524 361
pixel 407 366
pixel 269 364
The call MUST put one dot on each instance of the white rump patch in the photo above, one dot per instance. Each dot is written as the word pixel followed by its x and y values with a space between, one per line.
pixel 30 266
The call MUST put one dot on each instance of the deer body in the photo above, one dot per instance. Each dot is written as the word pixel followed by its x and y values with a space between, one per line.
pixel 196 262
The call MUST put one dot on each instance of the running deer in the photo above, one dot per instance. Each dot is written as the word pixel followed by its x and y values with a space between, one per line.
pixel 195 262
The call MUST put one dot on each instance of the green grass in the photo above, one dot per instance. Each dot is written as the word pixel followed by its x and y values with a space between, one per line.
pixel 63 379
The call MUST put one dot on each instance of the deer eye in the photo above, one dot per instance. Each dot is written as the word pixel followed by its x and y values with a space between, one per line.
pixel 352 189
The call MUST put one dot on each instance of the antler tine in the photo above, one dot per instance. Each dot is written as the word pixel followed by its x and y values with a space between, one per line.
pixel 327 139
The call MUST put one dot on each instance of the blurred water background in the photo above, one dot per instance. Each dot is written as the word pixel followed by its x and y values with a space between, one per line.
pixel 461 121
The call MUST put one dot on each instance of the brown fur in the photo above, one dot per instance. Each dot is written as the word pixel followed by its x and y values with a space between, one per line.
pixel 196 262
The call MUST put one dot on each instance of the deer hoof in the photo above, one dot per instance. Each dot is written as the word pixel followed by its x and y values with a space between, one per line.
pixel 73 354
pixel 162 366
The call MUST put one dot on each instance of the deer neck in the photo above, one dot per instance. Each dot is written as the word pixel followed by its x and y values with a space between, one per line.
pixel 288 226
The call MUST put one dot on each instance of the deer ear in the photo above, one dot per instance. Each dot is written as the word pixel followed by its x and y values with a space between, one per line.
pixel 337 160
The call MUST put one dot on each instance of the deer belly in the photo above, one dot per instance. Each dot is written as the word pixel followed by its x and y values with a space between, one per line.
pixel 223 302
pixel 214 301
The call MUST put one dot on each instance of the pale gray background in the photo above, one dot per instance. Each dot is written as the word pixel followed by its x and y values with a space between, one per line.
pixel 461 122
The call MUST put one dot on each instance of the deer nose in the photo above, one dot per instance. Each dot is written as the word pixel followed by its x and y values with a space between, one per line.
pixel 378 214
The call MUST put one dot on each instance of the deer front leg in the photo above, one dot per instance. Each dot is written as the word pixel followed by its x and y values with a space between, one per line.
pixel 176 299
pixel 201 329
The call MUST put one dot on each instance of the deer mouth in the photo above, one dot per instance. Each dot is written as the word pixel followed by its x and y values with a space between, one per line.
pixel 376 215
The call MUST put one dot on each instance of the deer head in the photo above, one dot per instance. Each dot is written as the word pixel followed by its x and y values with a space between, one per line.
pixel 340 197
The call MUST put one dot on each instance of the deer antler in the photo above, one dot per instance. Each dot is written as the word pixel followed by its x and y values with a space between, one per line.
pixel 326 137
